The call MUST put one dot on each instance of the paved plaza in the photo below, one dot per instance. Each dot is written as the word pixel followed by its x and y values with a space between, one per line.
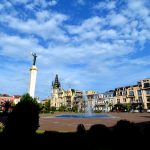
pixel 50 123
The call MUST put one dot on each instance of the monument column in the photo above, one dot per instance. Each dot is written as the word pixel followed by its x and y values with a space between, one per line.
pixel 33 73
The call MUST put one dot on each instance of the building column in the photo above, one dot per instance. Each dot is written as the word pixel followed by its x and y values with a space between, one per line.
pixel 33 73
pixel 144 99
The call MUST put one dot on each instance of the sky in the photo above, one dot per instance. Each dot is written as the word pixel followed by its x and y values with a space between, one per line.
pixel 91 44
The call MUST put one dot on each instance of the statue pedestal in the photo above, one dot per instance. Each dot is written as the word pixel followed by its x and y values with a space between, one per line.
pixel 33 73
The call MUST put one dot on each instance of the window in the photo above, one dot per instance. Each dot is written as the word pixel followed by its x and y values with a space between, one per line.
pixel 146 85
pixel 147 91
pixel 124 93
pixel 148 98
pixel 124 99
pixel 140 99
pixel 118 100
pixel 139 92
pixel 131 93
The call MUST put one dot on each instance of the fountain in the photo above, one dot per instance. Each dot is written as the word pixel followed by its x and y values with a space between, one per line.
pixel 88 107
pixel 88 111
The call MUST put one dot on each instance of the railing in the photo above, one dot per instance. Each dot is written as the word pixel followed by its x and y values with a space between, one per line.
pixel 130 95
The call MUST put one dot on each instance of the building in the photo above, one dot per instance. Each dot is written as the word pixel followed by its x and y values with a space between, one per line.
pixel 99 104
pixel 108 100
pixel 16 99
pixel 78 100
pixel 56 92
pixel 71 98
pixel 137 96
pixel 104 101
pixel 61 97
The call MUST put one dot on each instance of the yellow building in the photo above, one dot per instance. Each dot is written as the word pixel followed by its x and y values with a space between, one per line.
pixel 61 97
pixel 69 98
pixel 136 95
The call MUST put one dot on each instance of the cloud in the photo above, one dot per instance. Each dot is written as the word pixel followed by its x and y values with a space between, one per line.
pixel 139 7
pixel 81 2
pixel 17 47
pixel 33 4
pixel 53 2
pixel 46 25
pixel 118 20
pixel 95 53
pixel 105 5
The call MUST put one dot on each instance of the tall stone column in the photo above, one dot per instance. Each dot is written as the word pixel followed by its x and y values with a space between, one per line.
pixel 144 96
pixel 33 73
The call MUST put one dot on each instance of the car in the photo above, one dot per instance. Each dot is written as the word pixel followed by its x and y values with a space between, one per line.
pixel 148 110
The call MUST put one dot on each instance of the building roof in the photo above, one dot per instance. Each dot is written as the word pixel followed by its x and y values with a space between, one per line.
pixel 56 83
pixel 17 96
pixel 5 95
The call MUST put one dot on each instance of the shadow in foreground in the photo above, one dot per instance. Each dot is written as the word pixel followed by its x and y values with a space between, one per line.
pixel 22 123
pixel 124 135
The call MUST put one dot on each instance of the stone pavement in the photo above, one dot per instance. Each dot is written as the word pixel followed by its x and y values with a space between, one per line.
pixel 48 123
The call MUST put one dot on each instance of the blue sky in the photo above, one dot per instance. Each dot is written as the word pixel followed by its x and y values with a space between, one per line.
pixel 90 44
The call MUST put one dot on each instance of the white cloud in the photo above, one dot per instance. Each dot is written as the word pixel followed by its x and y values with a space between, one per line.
pixel 138 7
pixel 91 53
pixel 105 5
pixel 53 2
pixel 81 2
pixel 19 48
pixel 46 25
pixel 140 61
pixel 118 20
pixel 18 1
pixel 32 4
pixel 87 25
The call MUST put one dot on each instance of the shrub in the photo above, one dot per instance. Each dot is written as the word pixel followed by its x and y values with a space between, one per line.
pixel 53 108
pixel 75 108
pixel 62 108
pixel 1 127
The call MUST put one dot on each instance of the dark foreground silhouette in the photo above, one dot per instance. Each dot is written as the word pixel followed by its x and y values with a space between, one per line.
pixel 22 123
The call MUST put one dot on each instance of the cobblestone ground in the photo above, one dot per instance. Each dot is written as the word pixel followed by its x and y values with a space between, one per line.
pixel 50 123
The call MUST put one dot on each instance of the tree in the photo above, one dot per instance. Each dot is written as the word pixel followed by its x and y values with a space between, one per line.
pixel 127 106
pixel 24 119
pixel 7 105
pixel 62 108
pixel 75 108
pixel 47 106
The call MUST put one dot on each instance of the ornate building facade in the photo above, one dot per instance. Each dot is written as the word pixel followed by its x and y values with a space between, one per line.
pixel 137 95
pixel 80 99
pixel 61 97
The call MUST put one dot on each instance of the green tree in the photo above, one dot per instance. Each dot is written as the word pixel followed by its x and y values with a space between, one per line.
pixel 41 106
pixel 24 119
pixel 127 106
pixel 7 105
pixel 75 108
pixel 62 108
pixel 47 106
pixel 53 108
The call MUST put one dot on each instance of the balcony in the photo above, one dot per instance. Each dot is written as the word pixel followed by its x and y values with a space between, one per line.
pixel 100 104
pixel 148 99
pixel 130 96
pixel 146 86
pixel 147 94
pixel 68 101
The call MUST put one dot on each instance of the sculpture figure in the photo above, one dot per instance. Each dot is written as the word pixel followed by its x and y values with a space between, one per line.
pixel 34 58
